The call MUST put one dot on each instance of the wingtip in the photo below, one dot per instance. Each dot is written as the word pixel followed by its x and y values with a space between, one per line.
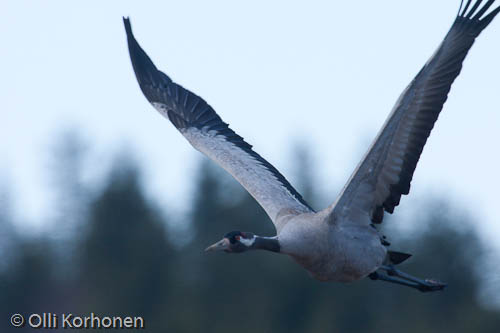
pixel 128 26
pixel 145 70
pixel 476 11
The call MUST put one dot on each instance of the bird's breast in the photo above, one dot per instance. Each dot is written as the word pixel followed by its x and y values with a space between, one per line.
pixel 331 252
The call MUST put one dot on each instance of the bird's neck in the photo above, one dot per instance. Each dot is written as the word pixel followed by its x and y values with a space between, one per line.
pixel 266 243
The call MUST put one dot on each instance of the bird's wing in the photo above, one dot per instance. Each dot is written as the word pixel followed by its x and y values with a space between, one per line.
pixel 206 132
pixel 385 172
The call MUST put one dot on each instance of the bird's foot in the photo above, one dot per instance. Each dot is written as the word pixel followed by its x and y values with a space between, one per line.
pixel 432 285
pixel 396 276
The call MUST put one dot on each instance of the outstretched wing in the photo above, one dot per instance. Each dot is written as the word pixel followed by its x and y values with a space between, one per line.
pixel 206 132
pixel 385 172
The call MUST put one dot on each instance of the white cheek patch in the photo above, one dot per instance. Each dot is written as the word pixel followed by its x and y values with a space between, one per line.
pixel 247 242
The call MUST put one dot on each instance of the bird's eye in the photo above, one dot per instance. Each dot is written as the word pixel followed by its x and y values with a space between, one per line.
pixel 237 238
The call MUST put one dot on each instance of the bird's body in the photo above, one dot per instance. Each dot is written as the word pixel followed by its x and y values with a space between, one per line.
pixel 341 242
pixel 332 250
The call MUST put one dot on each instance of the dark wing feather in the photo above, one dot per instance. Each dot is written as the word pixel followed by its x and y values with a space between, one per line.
pixel 206 131
pixel 386 171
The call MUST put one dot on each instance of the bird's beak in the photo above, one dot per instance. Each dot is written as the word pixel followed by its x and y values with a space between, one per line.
pixel 219 246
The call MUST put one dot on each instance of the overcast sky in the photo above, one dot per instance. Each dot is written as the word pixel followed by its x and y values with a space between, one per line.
pixel 326 73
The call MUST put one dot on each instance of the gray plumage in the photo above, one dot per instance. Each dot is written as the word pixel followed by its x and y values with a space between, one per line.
pixel 339 243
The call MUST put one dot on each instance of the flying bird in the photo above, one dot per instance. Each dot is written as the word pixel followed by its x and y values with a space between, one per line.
pixel 341 242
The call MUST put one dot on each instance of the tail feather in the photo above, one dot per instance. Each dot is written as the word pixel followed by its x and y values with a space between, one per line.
pixel 396 258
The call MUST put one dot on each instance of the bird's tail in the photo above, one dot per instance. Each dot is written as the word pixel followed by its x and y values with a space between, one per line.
pixel 396 258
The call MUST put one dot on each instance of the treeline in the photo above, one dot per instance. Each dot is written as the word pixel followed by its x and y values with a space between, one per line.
pixel 118 255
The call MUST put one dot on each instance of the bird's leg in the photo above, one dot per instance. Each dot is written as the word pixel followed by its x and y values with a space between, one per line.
pixel 422 285
pixel 383 277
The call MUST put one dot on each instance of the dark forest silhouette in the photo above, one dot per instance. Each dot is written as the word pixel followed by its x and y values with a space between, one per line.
pixel 117 256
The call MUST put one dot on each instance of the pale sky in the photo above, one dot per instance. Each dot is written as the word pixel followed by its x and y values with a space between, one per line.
pixel 279 72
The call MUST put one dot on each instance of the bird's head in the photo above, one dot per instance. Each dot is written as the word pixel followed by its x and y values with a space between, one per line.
pixel 234 242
